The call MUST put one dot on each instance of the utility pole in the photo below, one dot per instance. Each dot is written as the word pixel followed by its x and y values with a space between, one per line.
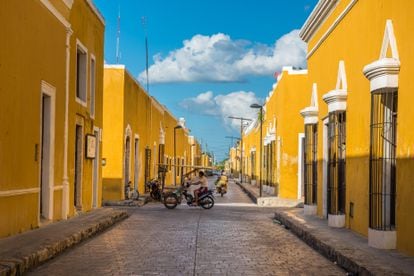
pixel 232 144
pixel 242 120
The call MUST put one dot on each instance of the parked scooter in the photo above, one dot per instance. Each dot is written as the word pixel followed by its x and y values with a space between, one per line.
pixel 173 198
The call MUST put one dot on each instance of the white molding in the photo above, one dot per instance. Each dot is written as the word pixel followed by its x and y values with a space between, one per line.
pixel 310 210
pixel 300 163
pixel 96 11
pixel 331 28
pixel 310 113
pixel 114 66
pixel 321 11
pixel 47 197
pixel 389 40
pixel 92 57
pixel 325 157
pixel 336 99
pixel 336 221
pixel 19 192
pixel 96 162
pixel 68 3
pixel 65 182
pixel 382 239
pixel 56 13
pixel 80 45
pixel 383 73
pixel 57 188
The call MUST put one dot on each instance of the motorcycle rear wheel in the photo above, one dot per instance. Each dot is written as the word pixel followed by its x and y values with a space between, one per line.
pixel 207 202
pixel 170 201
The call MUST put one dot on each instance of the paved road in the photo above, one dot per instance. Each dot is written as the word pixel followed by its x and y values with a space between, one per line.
pixel 233 238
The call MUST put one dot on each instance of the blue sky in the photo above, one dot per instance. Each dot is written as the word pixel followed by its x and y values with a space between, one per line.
pixel 208 59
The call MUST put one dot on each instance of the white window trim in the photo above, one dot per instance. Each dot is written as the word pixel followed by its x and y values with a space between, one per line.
pixel 84 49
pixel 92 115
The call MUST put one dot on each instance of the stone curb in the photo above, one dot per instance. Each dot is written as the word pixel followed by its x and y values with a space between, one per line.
pixel 22 264
pixel 249 193
pixel 128 203
pixel 340 257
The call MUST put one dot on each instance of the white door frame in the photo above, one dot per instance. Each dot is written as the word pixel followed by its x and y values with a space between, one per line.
pixel 47 186
pixel 301 162
pixel 95 169
pixel 325 168
pixel 78 186
pixel 136 161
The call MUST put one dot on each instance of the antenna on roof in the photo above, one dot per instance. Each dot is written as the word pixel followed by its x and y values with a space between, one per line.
pixel 118 35
pixel 144 25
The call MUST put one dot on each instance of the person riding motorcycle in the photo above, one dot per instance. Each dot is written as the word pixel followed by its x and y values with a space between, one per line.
pixel 221 182
pixel 203 182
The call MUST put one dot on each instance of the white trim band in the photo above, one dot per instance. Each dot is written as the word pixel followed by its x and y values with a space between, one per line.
pixel 19 192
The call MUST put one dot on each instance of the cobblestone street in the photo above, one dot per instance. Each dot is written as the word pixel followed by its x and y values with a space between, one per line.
pixel 233 238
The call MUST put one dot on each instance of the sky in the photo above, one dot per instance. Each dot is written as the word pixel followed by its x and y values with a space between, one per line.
pixel 207 59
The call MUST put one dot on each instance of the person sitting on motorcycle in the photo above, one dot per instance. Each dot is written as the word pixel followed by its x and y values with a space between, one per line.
pixel 203 182
pixel 221 181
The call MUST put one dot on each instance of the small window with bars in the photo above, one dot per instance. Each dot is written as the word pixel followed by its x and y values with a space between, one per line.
pixel 336 162
pixel 311 176
pixel 382 169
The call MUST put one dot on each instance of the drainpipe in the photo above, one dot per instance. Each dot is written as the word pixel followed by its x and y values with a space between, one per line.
pixel 65 190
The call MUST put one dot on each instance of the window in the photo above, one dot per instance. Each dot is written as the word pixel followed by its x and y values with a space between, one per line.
pixel 311 176
pixel 382 169
pixel 92 87
pixel 81 70
pixel 336 162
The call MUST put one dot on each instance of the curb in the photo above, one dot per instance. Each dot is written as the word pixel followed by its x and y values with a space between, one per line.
pixel 322 247
pixel 22 264
pixel 249 194
pixel 127 203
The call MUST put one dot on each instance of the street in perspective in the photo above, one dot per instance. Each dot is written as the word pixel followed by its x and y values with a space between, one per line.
pixel 235 237
pixel 206 137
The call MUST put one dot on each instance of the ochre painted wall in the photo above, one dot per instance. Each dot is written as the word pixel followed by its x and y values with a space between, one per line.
pixel 357 40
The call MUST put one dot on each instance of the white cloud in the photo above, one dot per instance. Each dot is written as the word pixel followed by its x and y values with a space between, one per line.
pixel 233 104
pixel 218 58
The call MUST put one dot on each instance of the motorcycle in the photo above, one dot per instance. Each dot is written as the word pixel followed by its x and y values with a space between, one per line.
pixel 172 199
pixel 221 185
pixel 154 187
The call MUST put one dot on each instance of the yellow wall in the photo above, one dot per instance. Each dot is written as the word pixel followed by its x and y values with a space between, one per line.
pixel 89 30
pixel 39 54
pixel 128 106
pixel 281 109
pixel 357 40
pixel 289 96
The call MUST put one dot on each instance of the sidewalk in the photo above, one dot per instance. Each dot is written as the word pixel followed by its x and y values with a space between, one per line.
pixel 267 200
pixel 343 246
pixel 22 252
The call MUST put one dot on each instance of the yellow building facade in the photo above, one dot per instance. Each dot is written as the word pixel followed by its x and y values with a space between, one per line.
pixel 359 64
pixel 282 138
pixel 141 138
pixel 51 110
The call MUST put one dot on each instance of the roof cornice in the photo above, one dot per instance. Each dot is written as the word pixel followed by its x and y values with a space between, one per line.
pixel 316 18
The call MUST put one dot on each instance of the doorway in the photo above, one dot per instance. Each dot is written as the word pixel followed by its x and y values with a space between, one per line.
pixel 127 164
pixel 78 168
pixel 136 164
pixel 45 156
